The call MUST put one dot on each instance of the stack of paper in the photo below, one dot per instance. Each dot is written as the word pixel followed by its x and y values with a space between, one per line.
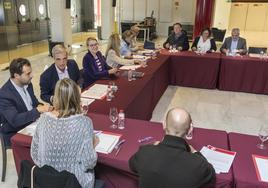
pixel 107 142
pixel 29 130
pixel 97 91
pixel 87 101
pixel 220 159
pixel 261 166
pixel 145 51
pixel 130 67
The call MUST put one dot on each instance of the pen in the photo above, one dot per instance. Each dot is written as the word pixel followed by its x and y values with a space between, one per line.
pixel 145 139
pixel 118 150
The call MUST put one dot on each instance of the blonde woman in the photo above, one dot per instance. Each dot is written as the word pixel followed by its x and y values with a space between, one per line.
pixel 64 137
pixel 112 54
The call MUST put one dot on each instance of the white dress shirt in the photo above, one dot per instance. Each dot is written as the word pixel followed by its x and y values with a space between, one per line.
pixel 24 95
pixel 62 74
pixel 204 46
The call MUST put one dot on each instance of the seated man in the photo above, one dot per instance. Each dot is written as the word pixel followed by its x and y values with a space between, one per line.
pixel 172 163
pixel 18 104
pixel 61 68
pixel 234 43
pixel 177 39
pixel 134 47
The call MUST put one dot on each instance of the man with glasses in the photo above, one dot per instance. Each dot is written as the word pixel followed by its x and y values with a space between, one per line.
pixel 172 162
pixel 18 104
pixel 61 68
pixel 234 44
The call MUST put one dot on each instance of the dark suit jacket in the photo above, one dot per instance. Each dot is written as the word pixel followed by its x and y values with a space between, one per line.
pixel 49 78
pixel 170 164
pixel 90 69
pixel 212 44
pixel 13 111
pixel 241 44
pixel 182 41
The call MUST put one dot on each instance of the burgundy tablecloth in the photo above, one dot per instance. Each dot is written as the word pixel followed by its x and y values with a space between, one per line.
pixel 114 169
pixel 137 98
pixel 243 167
pixel 243 73
pixel 192 70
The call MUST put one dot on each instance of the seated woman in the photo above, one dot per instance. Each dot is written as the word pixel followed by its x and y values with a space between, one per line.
pixel 94 64
pixel 204 43
pixel 112 54
pixel 64 137
pixel 125 46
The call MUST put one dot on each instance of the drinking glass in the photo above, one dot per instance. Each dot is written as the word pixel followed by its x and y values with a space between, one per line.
pixel 263 135
pixel 84 107
pixel 130 75
pixel 113 117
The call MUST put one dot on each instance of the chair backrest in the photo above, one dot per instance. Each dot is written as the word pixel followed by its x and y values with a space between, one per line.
pixel 256 50
pixel 218 34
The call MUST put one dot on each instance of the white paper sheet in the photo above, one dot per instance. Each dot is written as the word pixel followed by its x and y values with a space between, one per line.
pixel 107 142
pixel 29 130
pixel 87 101
pixel 97 91
pixel 220 159
pixel 130 67
pixel 141 57
pixel 145 51
pixel 261 165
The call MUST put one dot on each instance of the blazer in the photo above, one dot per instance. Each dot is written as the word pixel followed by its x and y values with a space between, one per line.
pixel 182 41
pixel 170 164
pixel 212 44
pixel 90 69
pixel 46 176
pixel 49 78
pixel 14 114
pixel 241 44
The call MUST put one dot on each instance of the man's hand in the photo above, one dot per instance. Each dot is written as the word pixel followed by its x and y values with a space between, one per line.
pixel 194 48
pixel 180 48
pixel 44 108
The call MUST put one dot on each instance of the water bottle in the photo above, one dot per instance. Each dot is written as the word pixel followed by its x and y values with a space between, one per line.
pixel 121 120
pixel 109 94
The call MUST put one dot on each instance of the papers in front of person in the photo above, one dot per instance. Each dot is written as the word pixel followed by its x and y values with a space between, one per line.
pixel 107 141
pixel 261 166
pixel 87 101
pixel 29 130
pixel 254 55
pixel 130 67
pixel 97 91
pixel 141 57
pixel 148 52
pixel 220 159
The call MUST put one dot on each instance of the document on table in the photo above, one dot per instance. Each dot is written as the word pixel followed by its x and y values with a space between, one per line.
pixel 97 91
pixel 107 142
pixel 141 57
pixel 254 55
pixel 220 159
pixel 29 130
pixel 145 51
pixel 261 166
pixel 87 101
pixel 130 67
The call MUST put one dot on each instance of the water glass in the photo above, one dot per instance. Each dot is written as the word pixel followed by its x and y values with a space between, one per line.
pixel 113 115
pixel 84 107
pixel 109 94
pixel 263 135
pixel 130 75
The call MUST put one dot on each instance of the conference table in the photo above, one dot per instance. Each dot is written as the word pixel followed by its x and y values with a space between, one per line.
pixel 244 74
pixel 114 170
pixel 190 69
pixel 245 175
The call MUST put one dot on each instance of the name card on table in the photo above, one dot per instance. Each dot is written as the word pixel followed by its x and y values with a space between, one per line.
pixel 29 130
pixel 97 91
pixel 261 166
pixel 130 67
pixel 220 159
pixel 107 142
pixel 141 57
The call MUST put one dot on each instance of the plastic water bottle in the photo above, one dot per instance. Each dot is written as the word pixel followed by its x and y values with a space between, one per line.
pixel 121 120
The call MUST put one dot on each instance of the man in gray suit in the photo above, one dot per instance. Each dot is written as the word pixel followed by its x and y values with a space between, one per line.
pixel 234 44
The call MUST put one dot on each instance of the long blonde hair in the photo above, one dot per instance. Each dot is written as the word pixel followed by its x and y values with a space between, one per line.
pixel 114 44
pixel 66 99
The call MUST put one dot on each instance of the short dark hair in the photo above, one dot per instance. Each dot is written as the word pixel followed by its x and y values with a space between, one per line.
pixel 206 29
pixel 179 24
pixel 16 66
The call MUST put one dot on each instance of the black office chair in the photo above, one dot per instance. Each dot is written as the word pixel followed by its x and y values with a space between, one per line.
pixel 256 50
pixel 5 146
pixel 218 34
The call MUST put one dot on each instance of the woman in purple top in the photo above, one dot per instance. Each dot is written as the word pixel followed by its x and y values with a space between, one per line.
pixel 94 64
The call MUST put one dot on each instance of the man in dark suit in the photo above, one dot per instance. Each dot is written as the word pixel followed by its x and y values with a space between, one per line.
pixel 61 68
pixel 18 104
pixel 177 39
pixel 172 163
pixel 234 44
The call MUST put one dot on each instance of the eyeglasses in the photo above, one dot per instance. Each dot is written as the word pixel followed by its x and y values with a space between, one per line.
pixel 92 45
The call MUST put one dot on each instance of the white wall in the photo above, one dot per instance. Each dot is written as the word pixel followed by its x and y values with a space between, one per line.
pixel 107 19
pixel 183 13
pixel 221 14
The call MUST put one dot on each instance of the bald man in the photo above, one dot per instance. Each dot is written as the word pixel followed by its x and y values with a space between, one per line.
pixel 172 163
pixel 134 47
